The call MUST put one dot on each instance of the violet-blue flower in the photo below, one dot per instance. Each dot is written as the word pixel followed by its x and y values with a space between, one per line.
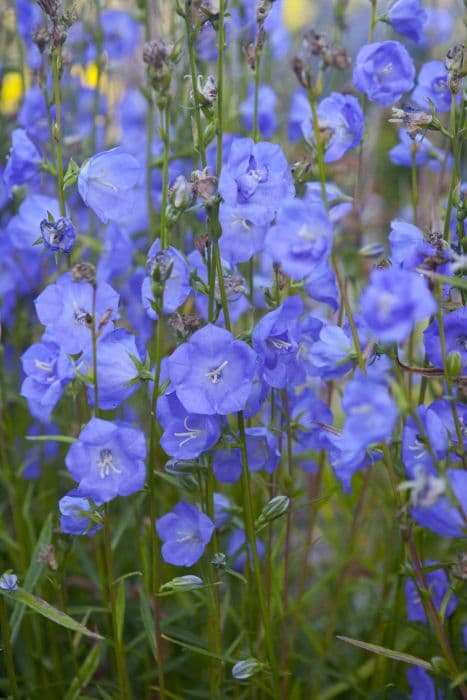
pixel 66 309
pixel 73 521
pixel 236 547
pixel 185 533
pixel 393 302
pixel 9 582
pixel 455 331
pixel 186 435
pixel 408 17
pixel 409 248
pixel 107 460
pixel 438 585
pixel 422 685
pixel 384 71
pixel 267 120
pixel 171 269
pixel 58 235
pixel 300 239
pixel 432 85
pixel 213 372
pixel 120 33
pixel 107 182
pixel 244 228
pixel 23 229
pixel 340 120
pixel 23 163
pixel 276 339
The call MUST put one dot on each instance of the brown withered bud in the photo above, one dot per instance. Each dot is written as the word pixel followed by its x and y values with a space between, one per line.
pixel 47 557
pixel 158 55
pixel 185 325
pixel 415 120
pixel 50 7
pixel 41 38
pixel 303 75
pixel 281 278
pixel 250 55
pixel 263 8
pixel 338 57
pixel 315 44
pixel 204 185
pixel 454 59
pixel 84 272
pixel 260 38
pixel 435 238
pixel 202 243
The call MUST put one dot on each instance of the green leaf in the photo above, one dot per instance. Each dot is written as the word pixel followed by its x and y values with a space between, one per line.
pixel 53 438
pixel 86 672
pixel 388 653
pixel 71 175
pixel 148 623
pixel 46 610
pixel 199 650
pixel 32 575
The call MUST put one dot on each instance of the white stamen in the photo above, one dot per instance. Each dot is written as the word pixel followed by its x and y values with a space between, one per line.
pixel 215 374
pixel 191 434
pixel 106 463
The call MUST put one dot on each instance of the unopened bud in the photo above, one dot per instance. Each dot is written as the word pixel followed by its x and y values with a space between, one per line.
pixel 274 509
pixel 181 194
pixel 247 668
pixel 84 272
pixel 204 185
pixel 454 364
pixel 181 584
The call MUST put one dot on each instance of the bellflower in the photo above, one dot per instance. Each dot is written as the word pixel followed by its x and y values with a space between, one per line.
pixel 443 517
pixel 120 34
pixel 107 182
pixel 222 508
pixel 73 520
pixel 170 267
pixel 438 585
pixel 415 451
pixel 409 248
pixel 300 111
pixel 107 460
pixel 23 163
pixel 9 582
pixel 23 229
pixel 65 308
pixel 236 547
pixel 384 71
pixel 310 413
pixel 433 86
pixel 48 369
pixel 262 449
pixel 33 114
pixel 339 204
pixel 425 152
pixel 255 173
pixel 438 26
pixel 117 373
pixel 300 239
pixel 422 685
pixel 455 331
pixel 276 339
pixel 393 303
pixel 320 285
pixel 331 353
pixel 267 120
pixel 186 435
pixel 408 17
pixel 185 533
pixel 227 464
pixel 244 228
pixel 213 372
pixel 58 235
pixel 340 120
pixel 117 253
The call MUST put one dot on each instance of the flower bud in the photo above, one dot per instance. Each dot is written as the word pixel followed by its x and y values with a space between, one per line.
pixel 84 272
pixel 274 509
pixel 454 364
pixel 180 584
pixel 247 668
pixel 204 185
pixel 58 235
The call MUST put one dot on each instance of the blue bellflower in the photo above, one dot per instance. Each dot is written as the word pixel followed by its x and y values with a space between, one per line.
pixel 58 235
pixel 340 120
pixel 384 71
pixel 432 85
pixel 408 17
pixel 107 460
pixel 267 101
pixel 185 533
pixel 213 372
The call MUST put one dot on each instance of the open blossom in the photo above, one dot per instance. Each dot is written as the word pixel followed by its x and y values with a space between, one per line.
pixel 23 163
pixel 186 435
pixel 384 71
pixel 185 533
pixel 340 120
pixel 107 182
pixel 212 372
pixel 393 302
pixel 107 460
pixel 408 17
pixel 267 120
pixel 171 270
pixel 432 85
pixel 455 331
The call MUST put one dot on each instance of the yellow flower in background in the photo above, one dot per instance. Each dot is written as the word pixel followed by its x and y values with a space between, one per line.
pixel 298 13
pixel 10 95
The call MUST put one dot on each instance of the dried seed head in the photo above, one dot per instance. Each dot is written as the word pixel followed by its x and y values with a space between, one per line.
pixel 50 7
pixel 41 38
pixel 84 272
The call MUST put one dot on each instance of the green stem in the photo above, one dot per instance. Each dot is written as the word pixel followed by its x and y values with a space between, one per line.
pixel 220 86
pixel 164 116
pixel 414 188
pixel 200 145
pixel 57 128
pixel 251 537
pixel 10 666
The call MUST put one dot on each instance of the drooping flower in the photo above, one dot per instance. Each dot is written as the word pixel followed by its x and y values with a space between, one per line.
pixel 185 533
pixel 276 339
pixel 384 71
pixel 213 372
pixel 267 120
pixel 66 309
pixel 393 302
pixel 107 460
pixel 301 237
pixel 186 435
pixel 408 17
pixel 48 369
pixel 73 520
pixel 340 120
pixel 438 585
pixel 107 182
pixel 455 331
pixel 432 85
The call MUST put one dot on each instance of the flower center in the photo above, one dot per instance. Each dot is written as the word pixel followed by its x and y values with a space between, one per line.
pixel 44 366
pixel 215 374
pixel 191 433
pixel 106 463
